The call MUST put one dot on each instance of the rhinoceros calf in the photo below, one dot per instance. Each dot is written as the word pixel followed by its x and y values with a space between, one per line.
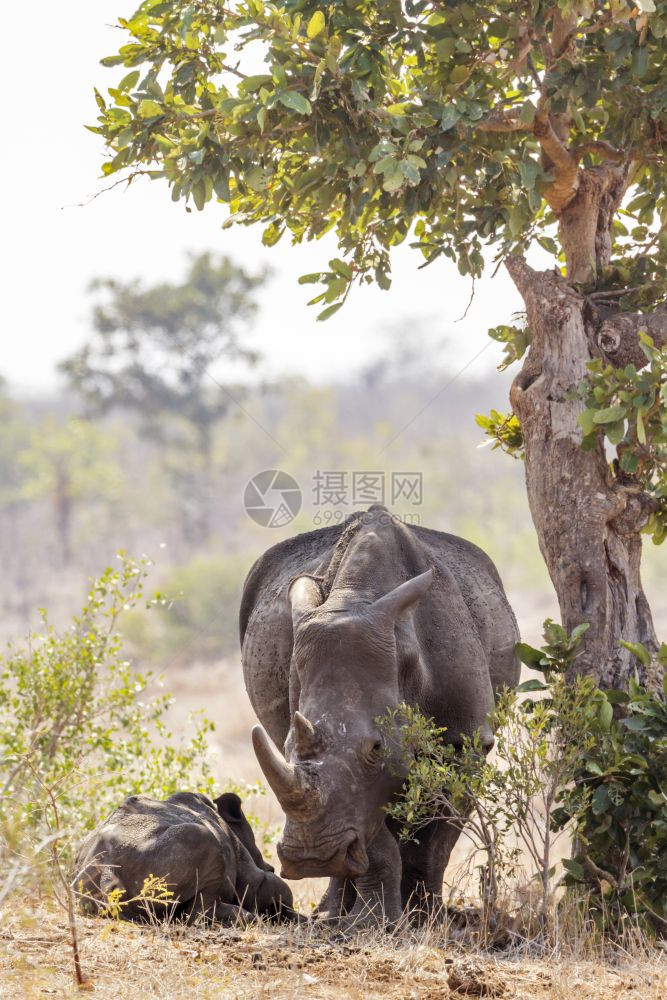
pixel 338 626
pixel 205 852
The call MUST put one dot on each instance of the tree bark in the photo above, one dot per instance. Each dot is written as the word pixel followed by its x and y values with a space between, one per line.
pixel 587 522
pixel 585 221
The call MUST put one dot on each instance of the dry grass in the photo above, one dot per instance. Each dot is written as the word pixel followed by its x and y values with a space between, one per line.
pixel 122 960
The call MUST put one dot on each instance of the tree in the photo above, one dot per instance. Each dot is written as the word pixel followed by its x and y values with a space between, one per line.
pixel 69 464
pixel 460 126
pixel 154 349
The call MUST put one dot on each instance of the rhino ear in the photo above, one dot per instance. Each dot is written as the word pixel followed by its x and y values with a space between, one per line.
pixel 403 598
pixel 304 595
pixel 229 806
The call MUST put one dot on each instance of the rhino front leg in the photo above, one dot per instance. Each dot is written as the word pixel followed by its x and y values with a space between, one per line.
pixel 209 907
pixel 379 890
pixel 423 866
pixel 339 898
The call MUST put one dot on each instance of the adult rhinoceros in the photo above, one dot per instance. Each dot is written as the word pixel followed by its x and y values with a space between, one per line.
pixel 337 626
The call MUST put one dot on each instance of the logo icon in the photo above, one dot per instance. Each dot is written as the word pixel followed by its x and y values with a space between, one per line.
pixel 272 498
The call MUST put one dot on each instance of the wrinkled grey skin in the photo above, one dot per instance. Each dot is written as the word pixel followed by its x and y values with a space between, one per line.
pixel 205 852
pixel 337 626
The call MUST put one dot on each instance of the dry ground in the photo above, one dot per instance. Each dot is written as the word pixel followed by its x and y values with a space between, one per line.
pixel 123 960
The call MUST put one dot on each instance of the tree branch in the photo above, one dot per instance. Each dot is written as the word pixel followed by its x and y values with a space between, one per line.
pixel 503 121
pixel 564 187
pixel 603 149
pixel 617 336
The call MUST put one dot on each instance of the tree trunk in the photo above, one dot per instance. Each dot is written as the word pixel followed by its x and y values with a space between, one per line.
pixel 63 513
pixel 587 523
pixel 206 481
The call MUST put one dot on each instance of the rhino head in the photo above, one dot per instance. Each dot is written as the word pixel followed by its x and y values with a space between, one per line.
pixel 339 768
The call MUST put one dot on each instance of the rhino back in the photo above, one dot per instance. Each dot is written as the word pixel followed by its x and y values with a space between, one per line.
pixel 182 842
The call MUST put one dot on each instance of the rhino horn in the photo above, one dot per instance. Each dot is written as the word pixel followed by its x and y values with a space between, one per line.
pixel 304 595
pixel 402 598
pixel 281 776
pixel 305 740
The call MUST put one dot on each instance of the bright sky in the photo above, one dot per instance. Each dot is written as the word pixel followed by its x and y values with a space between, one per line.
pixel 54 248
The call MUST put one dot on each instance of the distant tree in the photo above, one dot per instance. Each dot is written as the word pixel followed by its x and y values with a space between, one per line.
pixel 69 464
pixel 13 438
pixel 155 349
pixel 457 126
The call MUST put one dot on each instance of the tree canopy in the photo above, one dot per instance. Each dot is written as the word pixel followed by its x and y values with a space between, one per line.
pixel 457 125
pixel 153 348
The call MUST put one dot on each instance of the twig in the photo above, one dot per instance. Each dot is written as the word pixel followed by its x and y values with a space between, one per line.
pixel 470 300
pixel 614 293
pixel 81 982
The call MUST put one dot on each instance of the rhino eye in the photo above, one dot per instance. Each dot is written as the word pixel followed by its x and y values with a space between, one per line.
pixel 377 746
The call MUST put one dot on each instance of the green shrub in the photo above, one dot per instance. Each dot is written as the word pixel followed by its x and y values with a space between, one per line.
pixel 80 728
pixel 570 759
pixel 613 798
pixel 200 613
pixel 617 804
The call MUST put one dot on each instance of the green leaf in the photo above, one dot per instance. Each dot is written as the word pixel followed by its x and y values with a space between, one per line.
pixel 387 165
pixel 342 268
pixel 199 194
pixel 639 650
pixel 532 685
pixel 460 73
pixel 393 182
pixel 272 234
pixel 149 109
pixel 609 415
pixel 629 462
pixel 253 83
pixel 449 117
pixel 316 24
pixel 295 101
pixel 258 178
pixel 329 311
pixel 527 115
pixel 586 421
pixel 128 81
pixel 605 715
pixel 445 49
pixel 528 654
pixel 574 868
pixel 640 61
pixel 641 430
pixel 615 432
pixel 600 802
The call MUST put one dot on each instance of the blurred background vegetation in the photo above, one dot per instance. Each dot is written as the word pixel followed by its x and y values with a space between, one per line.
pixel 162 419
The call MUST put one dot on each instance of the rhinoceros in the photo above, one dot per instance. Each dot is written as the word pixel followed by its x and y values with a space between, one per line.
pixel 205 852
pixel 337 626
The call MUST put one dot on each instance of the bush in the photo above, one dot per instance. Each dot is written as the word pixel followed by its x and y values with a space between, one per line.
pixel 199 614
pixel 570 760
pixel 80 729
pixel 613 798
